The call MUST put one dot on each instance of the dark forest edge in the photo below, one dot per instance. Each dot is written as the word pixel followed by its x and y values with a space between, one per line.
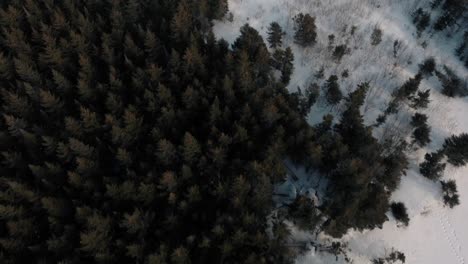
pixel 129 134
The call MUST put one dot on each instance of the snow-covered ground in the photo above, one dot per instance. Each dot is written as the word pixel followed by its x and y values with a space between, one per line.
pixel 436 234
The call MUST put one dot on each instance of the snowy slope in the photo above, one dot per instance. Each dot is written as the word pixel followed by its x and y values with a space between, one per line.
pixel 436 234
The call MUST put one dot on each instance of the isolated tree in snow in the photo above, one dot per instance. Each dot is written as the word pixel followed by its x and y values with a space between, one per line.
pixel 376 36
pixel 421 134
pixel 432 166
pixel 427 68
pixel 333 92
pixel 450 192
pixel 400 213
pixel 305 30
pixel 340 51
pixel 421 100
pixel 275 35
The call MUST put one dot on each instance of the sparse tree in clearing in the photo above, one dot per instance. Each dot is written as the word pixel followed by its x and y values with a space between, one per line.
pixel 331 41
pixel 450 192
pixel 340 51
pixel 320 73
pixel 427 68
pixel 421 134
pixel 400 213
pixel 456 149
pixel 376 36
pixel 421 101
pixel 275 35
pixel 333 92
pixel 305 30
pixel 432 167
pixel 345 74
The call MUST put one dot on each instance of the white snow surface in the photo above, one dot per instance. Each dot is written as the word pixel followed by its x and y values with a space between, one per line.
pixel 436 234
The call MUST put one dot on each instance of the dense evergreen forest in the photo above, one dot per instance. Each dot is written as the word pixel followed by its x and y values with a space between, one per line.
pixel 130 134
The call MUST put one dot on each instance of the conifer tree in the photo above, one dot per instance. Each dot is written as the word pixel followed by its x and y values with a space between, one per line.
pixel 456 149
pixel 275 35
pixel 305 30
pixel 333 92
pixel 450 192
pixel 432 167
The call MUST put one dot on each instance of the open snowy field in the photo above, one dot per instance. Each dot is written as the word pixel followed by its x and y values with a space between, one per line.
pixel 436 234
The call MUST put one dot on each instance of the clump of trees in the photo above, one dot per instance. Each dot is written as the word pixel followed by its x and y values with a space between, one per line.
pixel 452 12
pixel 394 257
pixel 306 31
pixel 350 149
pixel 433 167
pixel 421 20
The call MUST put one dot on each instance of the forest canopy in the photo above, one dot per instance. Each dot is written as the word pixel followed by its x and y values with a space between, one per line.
pixel 130 134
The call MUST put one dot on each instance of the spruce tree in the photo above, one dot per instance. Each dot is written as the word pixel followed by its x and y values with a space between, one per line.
pixel 275 35
pixel 432 167
pixel 450 192
pixel 305 30
pixel 333 92
pixel 456 149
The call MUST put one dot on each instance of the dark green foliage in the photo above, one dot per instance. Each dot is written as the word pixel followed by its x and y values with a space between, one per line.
pixel 307 99
pixel 456 149
pixel 376 36
pixel 340 51
pixel 421 100
pixel 275 35
pixel 393 257
pixel 421 20
pixel 421 134
pixel 359 192
pixel 462 50
pixel 399 212
pixel 432 167
pixel 305 30
pixel 332 90
pixel 129 134
pixel 452 11
pixel 409 88
pixel 282 60
pixel 452 85
pixel 303 213
pixel 428 66
pixel 450 192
